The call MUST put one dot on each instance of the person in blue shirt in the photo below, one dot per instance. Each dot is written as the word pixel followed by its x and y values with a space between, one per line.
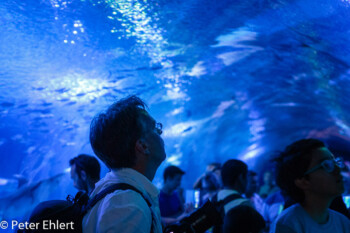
pixel 171 201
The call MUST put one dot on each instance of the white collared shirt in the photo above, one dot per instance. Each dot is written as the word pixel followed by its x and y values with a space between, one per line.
pixel 222 194
pixel 124 210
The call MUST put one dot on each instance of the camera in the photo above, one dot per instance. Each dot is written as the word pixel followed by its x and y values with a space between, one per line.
pixel 199 221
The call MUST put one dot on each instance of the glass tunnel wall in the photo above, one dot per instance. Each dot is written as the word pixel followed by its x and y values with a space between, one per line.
pixel 228 79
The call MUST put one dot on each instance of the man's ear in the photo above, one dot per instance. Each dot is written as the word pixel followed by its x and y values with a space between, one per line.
pixel 302 183
pixel 243 177
pixel 141 146
pixel 83 175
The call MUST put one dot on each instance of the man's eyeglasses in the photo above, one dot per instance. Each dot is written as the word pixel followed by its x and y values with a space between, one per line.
pixel 159 128
pixel 328 165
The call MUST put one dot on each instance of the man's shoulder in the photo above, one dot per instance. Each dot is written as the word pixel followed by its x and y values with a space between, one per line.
pixel 290 213
pixel 338 217
pixel 290 220
pixel 121 211
pixel 223 193
pixel 125 197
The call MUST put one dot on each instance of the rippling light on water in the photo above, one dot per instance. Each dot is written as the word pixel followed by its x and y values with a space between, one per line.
pixel 198 70
pixel 251 154
pixel 182 129
pixel 174 159
pixel 220 111
pixel 223 76
pixel 3 181
pixel 60 3
pixel 140 22
pixel 73 87
pixel 176 111
pixel 237 39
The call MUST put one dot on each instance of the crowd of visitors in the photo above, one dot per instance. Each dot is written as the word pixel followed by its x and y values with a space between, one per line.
pixel 303 193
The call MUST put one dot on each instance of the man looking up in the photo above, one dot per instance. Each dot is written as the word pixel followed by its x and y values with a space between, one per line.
pixel 85 172
pixel 308 173
pixel 127 139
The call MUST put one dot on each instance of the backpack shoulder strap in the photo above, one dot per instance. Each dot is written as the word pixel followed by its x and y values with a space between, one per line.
pixel 214 199
pixel 222 203
pixel 221 208
pixel 111 189
pixel 230 198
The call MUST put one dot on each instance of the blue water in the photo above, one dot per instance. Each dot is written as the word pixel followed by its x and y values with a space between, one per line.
pixel 228 79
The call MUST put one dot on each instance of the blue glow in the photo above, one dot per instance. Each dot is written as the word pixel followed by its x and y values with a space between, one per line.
pixel 240 80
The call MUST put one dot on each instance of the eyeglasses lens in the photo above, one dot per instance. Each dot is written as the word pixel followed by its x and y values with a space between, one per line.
pixel 159 128
pixel 328 165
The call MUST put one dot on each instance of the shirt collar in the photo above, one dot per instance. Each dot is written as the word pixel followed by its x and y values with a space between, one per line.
pixel 225 192
pixel 136 179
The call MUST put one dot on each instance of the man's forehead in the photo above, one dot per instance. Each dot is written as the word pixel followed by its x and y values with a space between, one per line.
pixel 322 154
pixel 145 113
pixel 147 117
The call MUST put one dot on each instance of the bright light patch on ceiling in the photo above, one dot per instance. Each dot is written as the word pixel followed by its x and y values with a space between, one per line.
pixel 198 70
pixel 222 107
pixel 233 57
pixel 251 154
pixel 183 128
pixel 177 129
pixel 176 111
pixel 257 128
pixel 175 159
pixel 342 125
pixel 4 181
pixel 72 88
pixel 31 149
pixel 174 94
pixel 237 39
pixel 137 23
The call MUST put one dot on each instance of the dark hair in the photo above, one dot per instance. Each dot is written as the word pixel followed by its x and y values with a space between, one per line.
pixel 86 163
pixel 113 134
pixel 171 172
pixel 243 219
pixel 292 163
pixel 231 170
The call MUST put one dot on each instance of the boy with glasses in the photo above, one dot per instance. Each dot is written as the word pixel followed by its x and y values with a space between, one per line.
pixel 308 173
